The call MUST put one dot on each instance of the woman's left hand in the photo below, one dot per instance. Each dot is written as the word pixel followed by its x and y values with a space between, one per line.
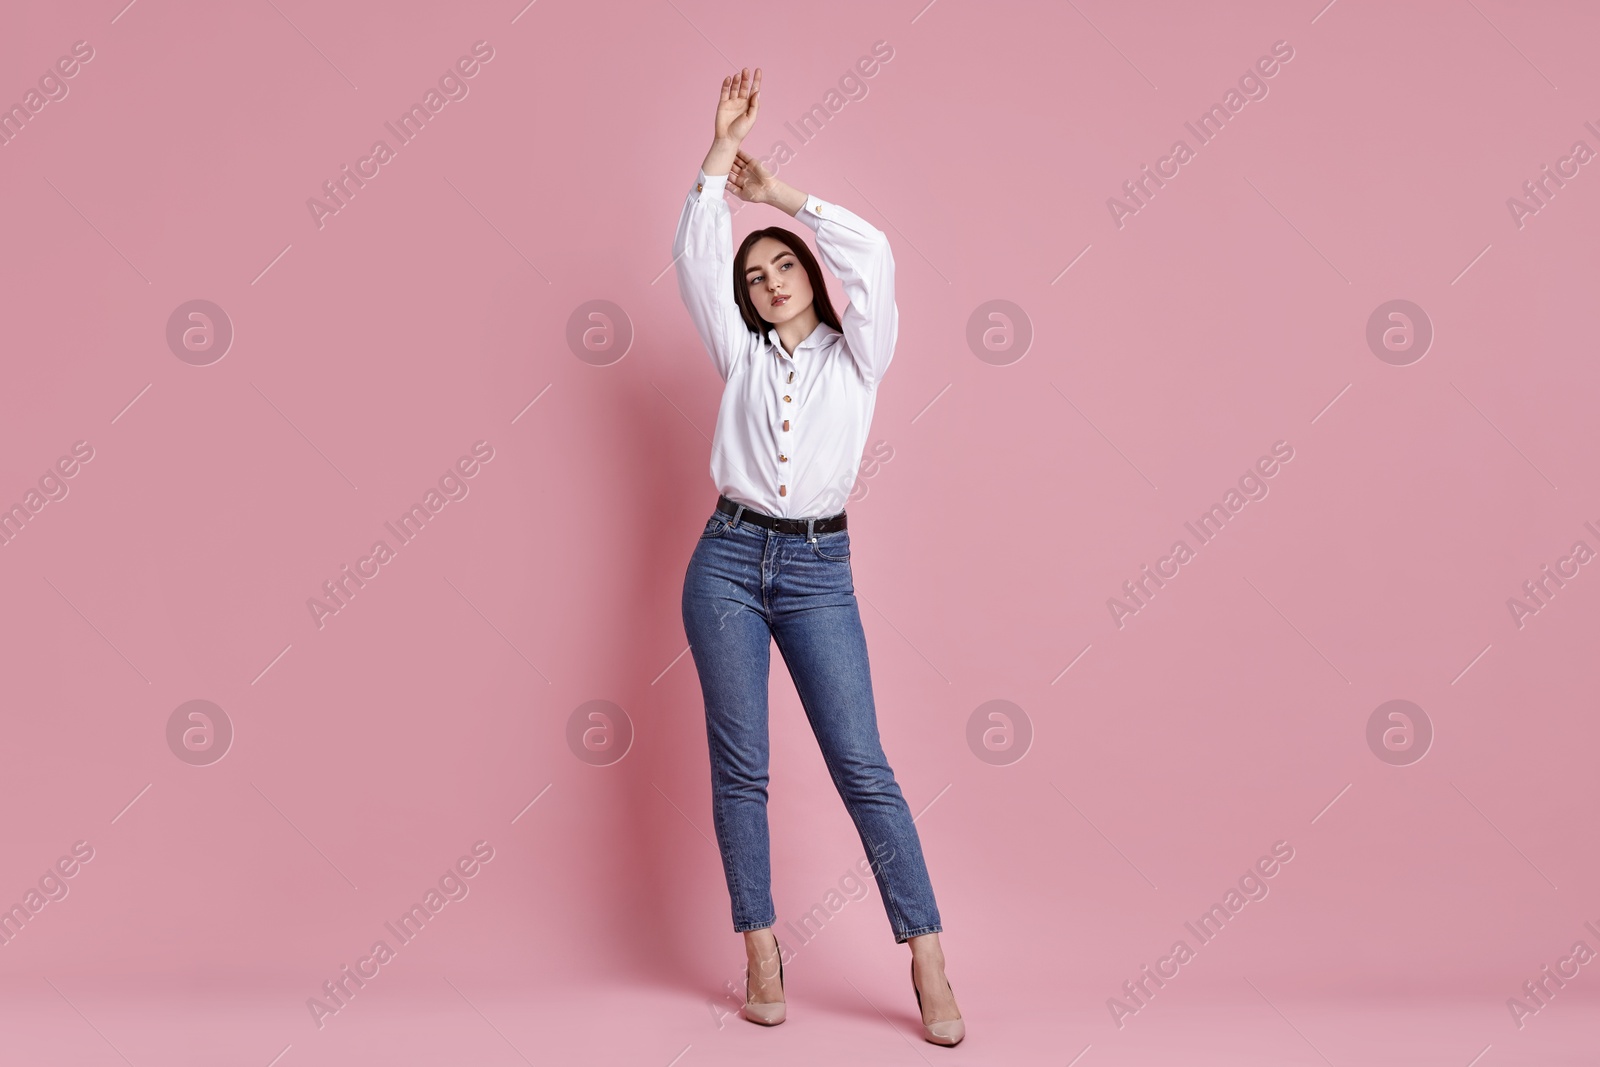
pixel 750 180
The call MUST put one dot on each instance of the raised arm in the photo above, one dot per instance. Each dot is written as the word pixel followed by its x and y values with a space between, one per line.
pixel 852 248
pixel 703 252
pixel 858 254
pixel 702 248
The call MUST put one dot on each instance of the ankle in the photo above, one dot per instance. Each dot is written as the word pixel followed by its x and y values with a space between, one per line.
pixel 763 955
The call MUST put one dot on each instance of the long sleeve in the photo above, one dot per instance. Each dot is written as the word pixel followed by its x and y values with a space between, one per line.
pixel 858 254
pixel 703 252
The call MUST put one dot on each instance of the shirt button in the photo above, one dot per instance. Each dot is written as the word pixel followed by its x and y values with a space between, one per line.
pixel 782 458
pixel 791 376
pixel 786 398
pixel 699 186
pixel 783 490
pixel 785 424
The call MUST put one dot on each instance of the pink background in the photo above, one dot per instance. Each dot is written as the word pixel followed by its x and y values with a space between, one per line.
pixel 1229 313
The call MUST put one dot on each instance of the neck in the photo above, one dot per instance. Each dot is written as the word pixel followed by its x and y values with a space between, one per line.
pixel 797 329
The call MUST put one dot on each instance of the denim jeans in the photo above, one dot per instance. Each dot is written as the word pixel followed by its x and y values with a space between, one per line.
pixel 747 586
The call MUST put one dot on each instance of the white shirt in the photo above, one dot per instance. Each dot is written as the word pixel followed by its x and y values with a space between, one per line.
pixel 791 429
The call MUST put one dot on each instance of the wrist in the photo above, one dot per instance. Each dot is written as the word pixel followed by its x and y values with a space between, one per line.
pixel 787 197
pixel 719 158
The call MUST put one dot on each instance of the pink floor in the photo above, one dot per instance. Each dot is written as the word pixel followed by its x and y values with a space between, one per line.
pixel 835 1018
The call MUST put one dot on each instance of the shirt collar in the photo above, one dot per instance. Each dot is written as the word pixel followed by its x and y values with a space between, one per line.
pixel 817 336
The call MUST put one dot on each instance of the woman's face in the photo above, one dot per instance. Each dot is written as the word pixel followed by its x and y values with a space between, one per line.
pixel 776 280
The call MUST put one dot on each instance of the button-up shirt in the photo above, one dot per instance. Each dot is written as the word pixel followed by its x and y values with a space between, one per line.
pixel 791 427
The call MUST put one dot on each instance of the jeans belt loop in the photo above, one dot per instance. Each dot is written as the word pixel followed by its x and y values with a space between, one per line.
pixel 738 511
pixel 811 530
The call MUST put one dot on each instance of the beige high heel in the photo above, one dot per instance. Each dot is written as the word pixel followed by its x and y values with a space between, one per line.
pixel 945 1032
pixel 767 1014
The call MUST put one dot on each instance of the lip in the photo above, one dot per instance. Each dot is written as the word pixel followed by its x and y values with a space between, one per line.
pixel 780 300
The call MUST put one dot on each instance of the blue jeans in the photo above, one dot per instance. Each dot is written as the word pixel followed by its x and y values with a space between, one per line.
pixel 747 586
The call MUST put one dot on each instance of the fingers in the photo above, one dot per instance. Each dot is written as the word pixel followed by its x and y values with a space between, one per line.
pixel 742 84
pixel 740 99
pixel 738 84
pixel 747 167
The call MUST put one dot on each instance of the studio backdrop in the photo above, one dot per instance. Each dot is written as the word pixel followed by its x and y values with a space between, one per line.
pixel 1225 537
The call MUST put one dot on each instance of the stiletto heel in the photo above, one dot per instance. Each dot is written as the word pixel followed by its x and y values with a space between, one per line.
pixel 945 1032
pixel 767 1014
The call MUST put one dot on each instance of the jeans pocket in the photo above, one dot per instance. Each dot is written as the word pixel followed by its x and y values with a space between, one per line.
pixel 715 526
pixel 833 547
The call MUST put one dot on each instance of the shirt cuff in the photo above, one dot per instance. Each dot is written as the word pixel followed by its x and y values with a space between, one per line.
pixel 812 210
pixel 708 186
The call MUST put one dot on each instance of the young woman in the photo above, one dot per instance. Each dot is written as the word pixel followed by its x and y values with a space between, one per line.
pixel 774 560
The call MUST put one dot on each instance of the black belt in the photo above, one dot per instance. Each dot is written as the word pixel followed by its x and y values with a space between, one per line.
pixel 771 522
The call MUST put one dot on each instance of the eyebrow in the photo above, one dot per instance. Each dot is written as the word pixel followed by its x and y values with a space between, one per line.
pixel 773 261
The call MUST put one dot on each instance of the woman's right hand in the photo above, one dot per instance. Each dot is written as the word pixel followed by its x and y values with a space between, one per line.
pixel 736 110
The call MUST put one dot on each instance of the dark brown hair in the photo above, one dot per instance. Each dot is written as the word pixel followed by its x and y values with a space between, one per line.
pixel 819 286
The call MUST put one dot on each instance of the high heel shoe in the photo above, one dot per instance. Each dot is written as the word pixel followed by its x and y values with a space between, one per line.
pixel 944 1032
pixel 770 1013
